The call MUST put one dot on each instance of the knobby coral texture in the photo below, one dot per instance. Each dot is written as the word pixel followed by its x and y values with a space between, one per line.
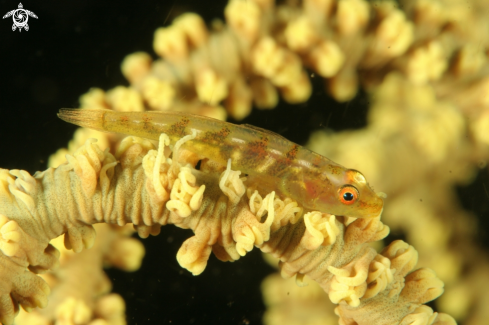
pixel 81 294
pixel 424 66
pixel 229 216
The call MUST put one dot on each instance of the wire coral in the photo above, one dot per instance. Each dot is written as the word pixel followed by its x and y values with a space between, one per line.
pixel 424 66
pixel 80 294
pixel 262 52
pixel 150 188
pixel 428 106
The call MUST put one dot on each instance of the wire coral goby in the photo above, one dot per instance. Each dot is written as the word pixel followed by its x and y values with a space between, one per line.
pixel 228 215
pixel 294 171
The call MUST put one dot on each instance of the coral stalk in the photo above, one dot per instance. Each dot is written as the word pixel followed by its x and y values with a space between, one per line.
pixel 228 215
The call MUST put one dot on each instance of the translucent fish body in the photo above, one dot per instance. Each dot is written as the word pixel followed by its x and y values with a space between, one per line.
pixel 316 182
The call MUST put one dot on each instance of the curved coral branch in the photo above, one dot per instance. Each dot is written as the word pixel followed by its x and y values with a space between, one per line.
pixel 228 215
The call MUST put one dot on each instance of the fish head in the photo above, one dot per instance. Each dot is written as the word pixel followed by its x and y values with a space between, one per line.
pixel 346 192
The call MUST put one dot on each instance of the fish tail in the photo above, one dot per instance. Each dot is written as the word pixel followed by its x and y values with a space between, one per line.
pixel 88 118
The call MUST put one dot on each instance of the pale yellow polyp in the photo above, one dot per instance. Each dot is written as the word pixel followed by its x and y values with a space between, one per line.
pixel 10 236
pixel 327 58
pixel 350 282
pixel 267 57
pixel 422 315
pixel 155 166
pixel 300 34
pixel 179 208
pixel 286 211
pixel 87 163
pixel 211 87
pixel 265 95
pixel 73 311
pixel 169 42
pixel 426 63
pixel 196 200
pixel 321 229
pixel 193 255
pixel 125 99
pixel 159 94
pixel 93 99
pixel 256 232
pixel 194 28
pixel 135 66
pixel 379 277
pixel 231 184
pixel 353 15
pixel 185 196
pixel 243 17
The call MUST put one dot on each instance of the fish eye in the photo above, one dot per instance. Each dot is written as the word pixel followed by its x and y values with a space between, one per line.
pixel 348 194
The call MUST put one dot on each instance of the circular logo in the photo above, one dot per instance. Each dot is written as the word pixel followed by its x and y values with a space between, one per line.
pixel 20 18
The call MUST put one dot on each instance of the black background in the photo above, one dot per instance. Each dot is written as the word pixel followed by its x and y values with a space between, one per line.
pixel 76 45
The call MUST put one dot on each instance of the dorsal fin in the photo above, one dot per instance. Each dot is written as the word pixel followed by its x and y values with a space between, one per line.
pixel 256 128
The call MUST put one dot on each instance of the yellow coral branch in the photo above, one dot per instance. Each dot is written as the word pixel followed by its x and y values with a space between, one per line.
pixel 330 250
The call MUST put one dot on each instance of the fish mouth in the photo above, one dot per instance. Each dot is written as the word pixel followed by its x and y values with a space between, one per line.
pixel 376 214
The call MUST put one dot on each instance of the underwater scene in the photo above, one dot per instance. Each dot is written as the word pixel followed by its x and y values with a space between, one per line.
pixel 244 162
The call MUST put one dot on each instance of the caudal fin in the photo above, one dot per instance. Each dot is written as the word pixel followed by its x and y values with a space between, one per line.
pixel 88 118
